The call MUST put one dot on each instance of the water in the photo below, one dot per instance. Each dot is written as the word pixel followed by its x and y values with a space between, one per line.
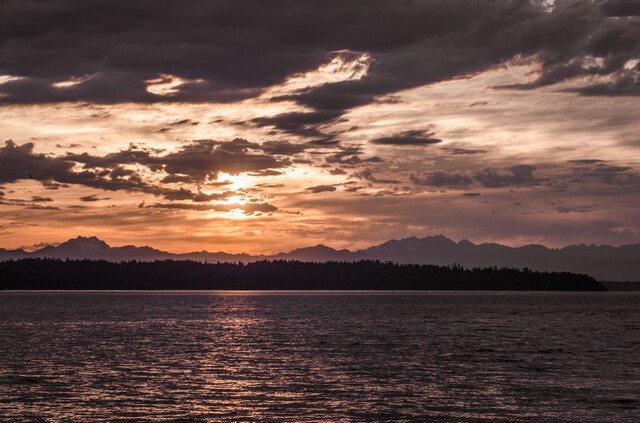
pixel 332 356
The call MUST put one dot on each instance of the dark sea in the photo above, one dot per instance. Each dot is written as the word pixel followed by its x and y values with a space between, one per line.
pixel 319 356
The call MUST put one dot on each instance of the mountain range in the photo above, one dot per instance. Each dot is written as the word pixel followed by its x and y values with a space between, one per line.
pixel 603 262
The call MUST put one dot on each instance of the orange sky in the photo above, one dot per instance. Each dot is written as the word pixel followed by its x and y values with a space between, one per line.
pixel 472 155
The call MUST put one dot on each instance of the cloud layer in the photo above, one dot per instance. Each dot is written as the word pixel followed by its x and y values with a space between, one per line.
pixel 295 122
pixel 63 50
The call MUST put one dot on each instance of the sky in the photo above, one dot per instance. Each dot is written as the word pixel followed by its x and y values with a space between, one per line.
pixel 261 126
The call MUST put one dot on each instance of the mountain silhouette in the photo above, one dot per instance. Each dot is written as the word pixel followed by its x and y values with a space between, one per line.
pixel 90 248
pixel 319 253
pixel 602 262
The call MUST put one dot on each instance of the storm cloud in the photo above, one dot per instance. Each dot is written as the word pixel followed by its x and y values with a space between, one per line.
pixel 63 50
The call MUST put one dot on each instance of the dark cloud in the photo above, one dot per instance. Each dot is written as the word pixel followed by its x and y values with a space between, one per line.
pixel 320 188
pixel 182 122
pixel 206 158
pixel 607 169
pixel 368 175
pixel 225 50
pixel 179 194
pixel 471 194
pixel 92 198
pixel 441 178
pixel 576 209
pixel 268 172
pixel 270 185
pixel 187 206
pixel 623 84
pixel 32 204
pixel 13 202
pixel 489 177
pixel 469 37
pixel 586 161
pixel 614 41
pixel 284 148
pixel 52 185
pixel 350 157
pixel 177 179
pixel 513 176
pixel 39 199
pixel 464 151
pixel 324 142
pixel 201 197
pixel 248 209
pixel 124 157
pixel 621 7
pixel 192 163
pixel 183 194
pixel 234 51
pixel 252 208
pixel 18 162
pixel 301 123
pixel 408 138
pixel 16 225
pixel 610 174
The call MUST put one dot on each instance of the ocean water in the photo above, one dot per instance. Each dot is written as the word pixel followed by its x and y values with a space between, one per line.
pixel 322 356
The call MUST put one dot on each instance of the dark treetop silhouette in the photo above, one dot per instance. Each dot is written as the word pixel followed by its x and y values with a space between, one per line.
pixel 279 274
pixel 603 262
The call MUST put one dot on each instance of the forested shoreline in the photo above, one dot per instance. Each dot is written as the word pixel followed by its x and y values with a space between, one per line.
pixel 52 274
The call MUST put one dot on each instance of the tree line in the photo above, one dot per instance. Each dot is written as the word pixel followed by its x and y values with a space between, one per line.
pixel 57 274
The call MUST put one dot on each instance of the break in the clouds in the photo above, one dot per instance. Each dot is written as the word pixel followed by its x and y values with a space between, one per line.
pixel 196 161
pixel 348 122
pixel 193 163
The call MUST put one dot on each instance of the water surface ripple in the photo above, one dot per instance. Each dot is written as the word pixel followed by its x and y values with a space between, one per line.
pixel 324 356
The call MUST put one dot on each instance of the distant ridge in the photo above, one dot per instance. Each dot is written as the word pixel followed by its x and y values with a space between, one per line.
pixel 603 262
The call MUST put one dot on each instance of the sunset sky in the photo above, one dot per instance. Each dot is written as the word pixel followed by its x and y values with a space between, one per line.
pixel 260 126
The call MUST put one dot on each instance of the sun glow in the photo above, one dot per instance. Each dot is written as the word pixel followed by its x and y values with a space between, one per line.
pixel 240 181
pixel 238 214
pixel 236 199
